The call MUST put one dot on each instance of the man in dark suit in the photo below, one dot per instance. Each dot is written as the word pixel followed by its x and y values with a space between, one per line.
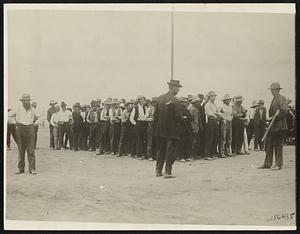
pixel 259 125
pixel 50 111
pixel 167 119
pixel 274 141
pixel 77 125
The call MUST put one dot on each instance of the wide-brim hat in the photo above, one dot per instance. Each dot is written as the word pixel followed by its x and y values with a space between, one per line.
pixel 25 97
pixel 56 107
pixel 77 105
pixel 261 102
pixel 211 93
pixel 140 97
pixel 154 99
pixel 200 95
pixel 63 104
pixel 254 104
pixel 107 102
pixel 52 103
pixel 93 103
pixel 115 101
pixel 195 99
pixel 182 99
pixel 175 83
pixel 238 98
pixel 275 85
pixel 226 97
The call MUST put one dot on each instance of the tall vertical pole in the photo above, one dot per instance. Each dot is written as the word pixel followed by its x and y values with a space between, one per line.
pixel 172 44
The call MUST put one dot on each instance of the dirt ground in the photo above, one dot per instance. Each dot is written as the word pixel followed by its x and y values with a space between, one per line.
pixel 80 186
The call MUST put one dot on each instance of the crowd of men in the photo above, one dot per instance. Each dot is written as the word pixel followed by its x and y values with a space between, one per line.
pixel 197 127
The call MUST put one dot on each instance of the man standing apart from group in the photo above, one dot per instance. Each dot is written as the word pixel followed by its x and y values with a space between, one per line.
pixel 26 119
pixel 167 118
pixel 274 141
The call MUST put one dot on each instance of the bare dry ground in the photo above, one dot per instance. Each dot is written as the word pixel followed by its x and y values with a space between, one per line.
pixel 80 186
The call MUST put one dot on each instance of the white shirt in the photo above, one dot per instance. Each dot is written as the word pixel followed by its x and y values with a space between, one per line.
pixel 211 109
pixel 25 117
pixel 54 119
pixel 141 115
pixel 226 112
pixel 82 114
pixel 115 117
pixel 65 116
pixel 251 113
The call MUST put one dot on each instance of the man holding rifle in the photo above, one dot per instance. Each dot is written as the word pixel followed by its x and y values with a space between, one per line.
pixel 275 133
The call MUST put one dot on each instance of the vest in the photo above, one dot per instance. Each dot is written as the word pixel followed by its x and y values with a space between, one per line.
pixel 136 116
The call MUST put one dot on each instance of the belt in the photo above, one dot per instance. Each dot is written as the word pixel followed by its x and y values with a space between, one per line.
pixel 25 126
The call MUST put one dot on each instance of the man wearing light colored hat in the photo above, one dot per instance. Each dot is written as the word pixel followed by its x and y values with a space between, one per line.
pixel 115 125
pixel 167 118
pixel 274 141
pixel 250 117
pixel 238 125
pixel 26 119
pixel 211 131
pixel 138 118
pixel 51 111
pixel 259 125
pixel 226 114
pixel 196 124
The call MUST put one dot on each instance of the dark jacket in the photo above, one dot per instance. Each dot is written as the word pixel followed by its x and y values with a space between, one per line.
pixel 187 118
pixel 278 103
pixel 50 111
pixel 77 118
pixel 257 119
pixel 167 116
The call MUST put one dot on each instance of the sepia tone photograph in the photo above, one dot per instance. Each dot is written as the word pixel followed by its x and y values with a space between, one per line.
pixel 149 116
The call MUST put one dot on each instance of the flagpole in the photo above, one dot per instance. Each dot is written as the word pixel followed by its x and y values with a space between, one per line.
pixel 172 44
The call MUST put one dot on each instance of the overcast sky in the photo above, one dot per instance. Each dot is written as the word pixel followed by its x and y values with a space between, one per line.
pixel 77 56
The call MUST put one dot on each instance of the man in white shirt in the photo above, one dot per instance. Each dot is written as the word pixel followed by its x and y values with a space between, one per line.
pixel 138 118
pixel 211 130
pixel 54 123
pixel 115 126
pixel 226 114
pixel 25 119
pixel 65 116
pixel 11 130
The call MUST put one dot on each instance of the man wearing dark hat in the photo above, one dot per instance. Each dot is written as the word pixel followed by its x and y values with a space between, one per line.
pixel 201 133
pixel 77 125
pixel 51 111
pixel 274 141
pixel 92 119
pixel 238 125
pixel 26 118
pixel 167 118
pixel 138 118
pixel 85 127
pixel 259 125
pixel 65 117
pixel 104 140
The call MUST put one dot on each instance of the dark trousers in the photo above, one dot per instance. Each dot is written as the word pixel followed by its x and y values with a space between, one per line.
pixel 98 135
pixel 124 138
pixel 141 137
pixel 250 130
pixel 51 128
pixel 115 130
pixel 150 140
pixel 200 142
pixel 62 134
pixel 167 153
pixel 237 135
pixel 77 131
pixel 274 142
pixel 104 139
pixel 36 129
pixel 211 137
pixel 259 131
pixel 226 136
pixel 132 139
pixel 185 144
pixel 26 141
pixel 194 139
pixel 11 130
pixel 93 135
pixel 84 136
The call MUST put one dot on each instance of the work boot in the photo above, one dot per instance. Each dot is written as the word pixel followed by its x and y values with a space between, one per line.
pixel 169 176
pixel 276 168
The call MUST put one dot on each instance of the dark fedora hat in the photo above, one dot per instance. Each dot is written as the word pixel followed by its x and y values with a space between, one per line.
pixel 63 104
pixel 77 105
pixel 175 83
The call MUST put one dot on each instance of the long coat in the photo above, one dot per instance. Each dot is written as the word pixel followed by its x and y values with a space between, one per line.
pixel 278 103
pixel 167 117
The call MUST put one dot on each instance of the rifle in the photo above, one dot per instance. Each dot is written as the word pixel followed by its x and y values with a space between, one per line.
pixel 270 125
